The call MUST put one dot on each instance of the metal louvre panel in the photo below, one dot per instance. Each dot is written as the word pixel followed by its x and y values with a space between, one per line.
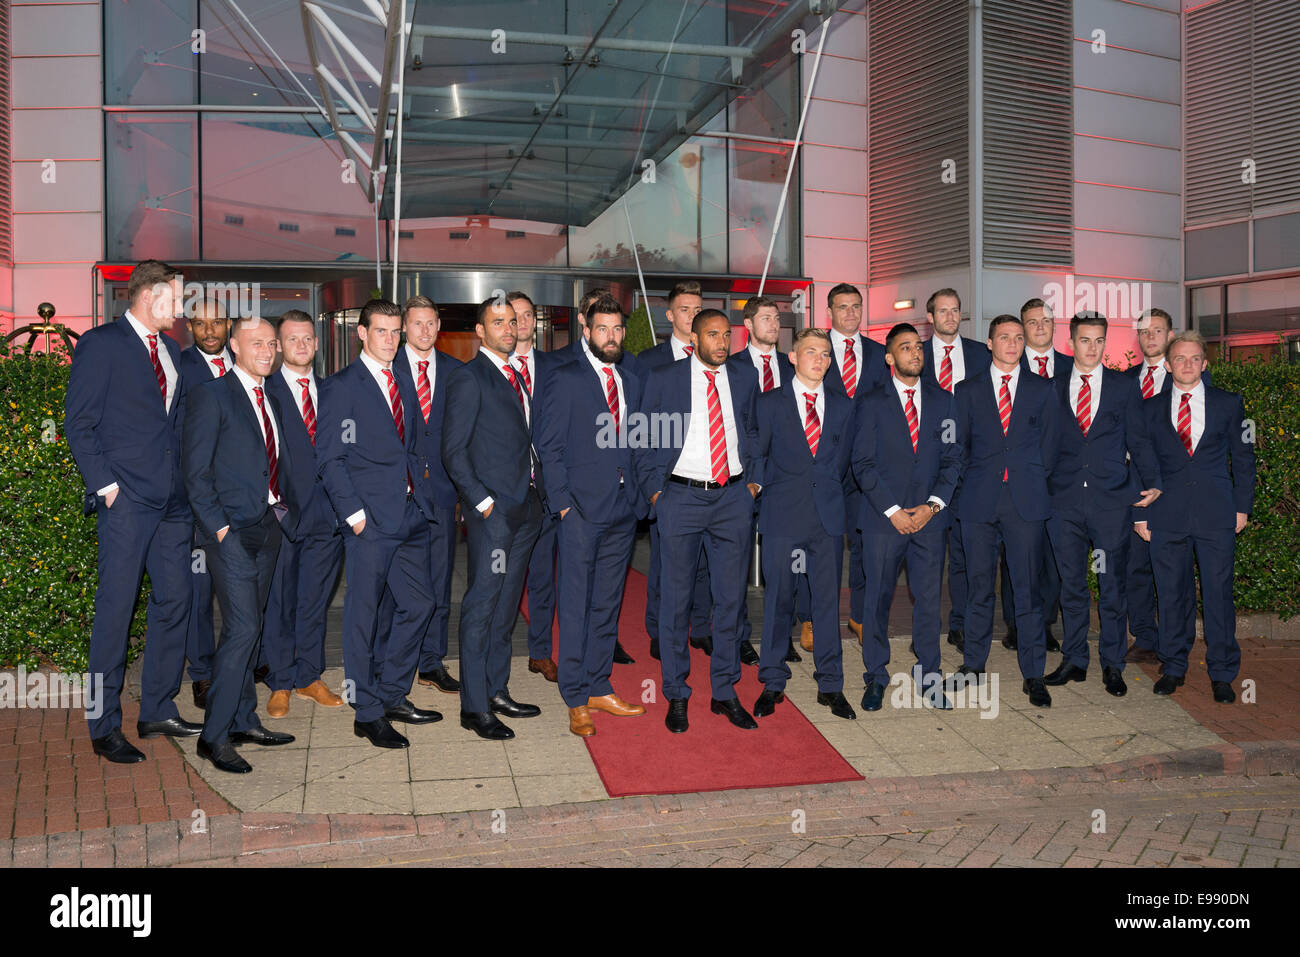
pixel 1217 117
pixel 1028 115
pixel 1276 112
pixel 918 63
pixel 6 151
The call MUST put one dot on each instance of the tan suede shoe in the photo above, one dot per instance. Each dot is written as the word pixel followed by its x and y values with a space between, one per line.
pixel 806 636
pixel 580 722
pixel 278 706
pixel 316 691
pixel 613 704
pixel 856 629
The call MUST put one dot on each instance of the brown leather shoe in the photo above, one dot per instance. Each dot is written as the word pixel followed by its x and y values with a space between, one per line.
pixel 856 629
pixel 546 668
pixel 278 706
pixel 613 704
pixel 806 636
pixel 580 722
pixel 1137 654
pixel 316 691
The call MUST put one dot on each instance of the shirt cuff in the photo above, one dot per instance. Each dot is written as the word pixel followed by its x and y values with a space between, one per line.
pixel 355 517
pixel 1140 522
pixel 938 501
pixel 223 528
pixel 106 489
pixel 891 510
pixel 484 505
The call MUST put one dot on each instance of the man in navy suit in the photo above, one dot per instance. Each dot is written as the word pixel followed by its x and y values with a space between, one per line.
pixel 907 462
pixel 207 359
pixel 582 440
pixel 950 358
pixel 1093 486
pixel 702 483
pixel 578 347
pixel 371 463
pixel 1204 450
pixel 427 371
pixel 1155 330
pixel 487 436
pixel 805 435
pixel 1007 422
pixel 685 300
pixel 858 366
pixel 762 318
pixel 241 478
pixel 307 569
pixel 123 419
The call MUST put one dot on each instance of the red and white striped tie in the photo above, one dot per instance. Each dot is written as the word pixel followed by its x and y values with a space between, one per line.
pixel 913 421
pixel 1042 365
pixel 395 402
pixel 1004 412
pixel 1083 407
pixel 688 350
pixel 422 390
pixel 717 433
pixel 812 428
pixel 850 374
pixel 220 363
pixel 308 409
pixel 1185 421
pixel 945 369
pixel 272 461
pixel 1149 383
pixel 611 394
pixel 157 368
pixel 523 371
pixel 768 383
pixel 509 370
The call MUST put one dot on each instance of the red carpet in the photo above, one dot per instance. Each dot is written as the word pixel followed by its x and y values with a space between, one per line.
pixel 640 756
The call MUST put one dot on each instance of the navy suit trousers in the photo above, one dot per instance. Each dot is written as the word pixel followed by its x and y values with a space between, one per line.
pixel 883 557
pixel 1140 586
pixel 700 610
pixel 1075 533
pixel 814 560
pixel 442 550
pixel 293 636
pixel 199 640
pixel 1172 557
pixel 541 589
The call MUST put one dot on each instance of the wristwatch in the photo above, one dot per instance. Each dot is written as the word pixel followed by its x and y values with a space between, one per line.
pixel 936 507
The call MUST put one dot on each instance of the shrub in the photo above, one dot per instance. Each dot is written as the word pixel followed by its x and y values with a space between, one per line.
pixel 639 334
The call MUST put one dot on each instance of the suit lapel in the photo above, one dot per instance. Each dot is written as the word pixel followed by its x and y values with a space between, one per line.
pixel 244 408
pixel 501 382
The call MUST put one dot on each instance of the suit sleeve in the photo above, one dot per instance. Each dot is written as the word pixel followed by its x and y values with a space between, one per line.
pixel 1140 450
pixel 198 454
pixel 754 466
pixel 82 408
pixel 335 429
pixel 550 439
pixel 459 417
pixel 961 401
pixel 1243 458
pixel 646 462
pixel 1051 430
pixel 865 462
pixel 945 484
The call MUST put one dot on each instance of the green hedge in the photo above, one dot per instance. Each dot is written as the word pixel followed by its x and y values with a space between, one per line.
pixel 47 546
pixel 1268 551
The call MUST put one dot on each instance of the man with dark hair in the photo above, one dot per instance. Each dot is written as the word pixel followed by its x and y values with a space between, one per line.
pixel 1093 487
pixel 582 443
pixel 307 569
pixel 487 447
pixel 908 464
pixel 1007 427
pixel 123 419
pixel 369 454
pixel 702 487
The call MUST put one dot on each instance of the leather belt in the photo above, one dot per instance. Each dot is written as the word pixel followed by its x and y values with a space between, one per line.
pixel 697 483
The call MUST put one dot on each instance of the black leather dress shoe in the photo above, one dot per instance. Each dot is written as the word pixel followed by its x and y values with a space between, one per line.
pixel 1065 672
pixel 838 704
pixel 440 678
pixel 224 757
pixel 409 713
pixel 114 747
pixel 735 713
pixel 676 721
pixel 504 704
pixel 485 725
pixel 654 649
pixel 261 673
pixel 1011 640
pixel 171 727
pixel 874 697
pixel 1037 691
pixel 932 696
pixel 1051 643
pixel 262 736
pixel 964 677
pixel 1113 680
pixel 748 656
pixel 957 638
pixel 767 702
pixel 380 733
pixel 705 644
pixel 621 657
pixel 1168 684
pixel 200 689
pixel 1223 692
pixel 791 654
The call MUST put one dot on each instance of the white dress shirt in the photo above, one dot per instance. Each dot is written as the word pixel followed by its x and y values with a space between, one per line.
pixel 902 389
pixel 415 359
pixel 501 364
pixel 801 391
pixel 957 356
pixel 757 355
pixel 997 375
pixel 1033 355
pixel 376 370
pixel 164 359
pixel 1197 392
pixel 837 352
pixel 228 362
pixel 529 363
pixel 1158 376
pixel 679 347
pixel 291 380
pixel 695 462
pixel 618 384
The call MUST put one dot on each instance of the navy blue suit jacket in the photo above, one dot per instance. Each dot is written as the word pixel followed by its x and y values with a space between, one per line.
pixel 1203 491
pixel 668 394
pixel 1025 452
pixel 196 367
pixel 1135 371
pixel 117 427
pixel 887 469
pixel 317 516
pixel 581 454
pixel 795 484
pixel 784 368
pixel 1102 457
pixel 439 485
pixel 360 459
pixel 628 362
pixel 1062 365
pixel 874 371
pixel 975 357
pixel 486 441
pixel 656 357
pixel 224 458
